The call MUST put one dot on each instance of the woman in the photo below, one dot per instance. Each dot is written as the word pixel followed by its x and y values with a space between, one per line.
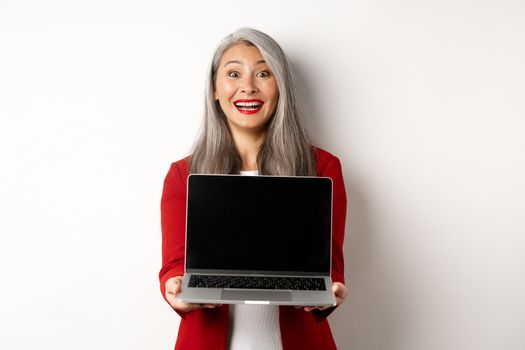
pixel 251 126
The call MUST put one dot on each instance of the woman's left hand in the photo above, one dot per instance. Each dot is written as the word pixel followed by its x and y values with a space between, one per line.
pixel 340 292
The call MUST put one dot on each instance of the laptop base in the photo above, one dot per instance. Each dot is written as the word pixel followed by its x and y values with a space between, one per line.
pixel 256 296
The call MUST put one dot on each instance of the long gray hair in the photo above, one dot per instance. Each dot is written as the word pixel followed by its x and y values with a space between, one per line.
pixel 287 149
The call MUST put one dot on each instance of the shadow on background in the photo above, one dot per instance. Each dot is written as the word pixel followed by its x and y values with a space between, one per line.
pixel 375 313
pixel 372 317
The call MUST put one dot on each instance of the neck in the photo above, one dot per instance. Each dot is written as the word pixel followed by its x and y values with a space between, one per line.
pixel 248 145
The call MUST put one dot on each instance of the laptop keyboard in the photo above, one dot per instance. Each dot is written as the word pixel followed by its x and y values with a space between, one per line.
pixel 257 282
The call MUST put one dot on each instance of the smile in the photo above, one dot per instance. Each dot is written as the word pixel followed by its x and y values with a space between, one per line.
pixel 248 106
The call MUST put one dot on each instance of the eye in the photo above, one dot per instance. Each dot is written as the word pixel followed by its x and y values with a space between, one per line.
pixel 233 74
pixel 263 74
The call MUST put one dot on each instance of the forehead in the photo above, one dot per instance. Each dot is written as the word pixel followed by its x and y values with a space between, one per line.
pixel 242 54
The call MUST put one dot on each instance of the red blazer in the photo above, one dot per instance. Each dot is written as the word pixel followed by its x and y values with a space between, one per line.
pixel 207 329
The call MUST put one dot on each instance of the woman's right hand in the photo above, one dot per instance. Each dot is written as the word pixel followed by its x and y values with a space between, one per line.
pixel 173 288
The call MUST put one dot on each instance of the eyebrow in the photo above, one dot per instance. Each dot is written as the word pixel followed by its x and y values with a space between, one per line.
pixel 239 62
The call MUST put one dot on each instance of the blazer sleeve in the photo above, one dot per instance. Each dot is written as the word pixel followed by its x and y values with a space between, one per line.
pixel 333 170
pixel 173 223
pixel 339 205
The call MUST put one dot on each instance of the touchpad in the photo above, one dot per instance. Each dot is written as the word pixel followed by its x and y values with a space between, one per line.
pixel 270 295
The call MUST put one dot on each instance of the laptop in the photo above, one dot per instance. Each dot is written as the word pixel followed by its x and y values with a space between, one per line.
pixel 258 240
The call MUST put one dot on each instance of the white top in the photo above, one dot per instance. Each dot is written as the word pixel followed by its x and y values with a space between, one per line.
pixel 249 172
pixel 254 327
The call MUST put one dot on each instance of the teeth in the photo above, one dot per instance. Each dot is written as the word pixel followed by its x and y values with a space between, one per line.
pixel 248 104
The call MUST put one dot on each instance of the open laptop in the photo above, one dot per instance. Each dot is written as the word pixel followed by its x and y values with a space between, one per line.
pixel 258 240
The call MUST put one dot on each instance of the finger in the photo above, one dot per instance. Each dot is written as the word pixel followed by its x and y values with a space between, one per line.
pixel 336 288
pixel 340 290
pixel 173 301
pixel 184 307
pixel 173 285
pixel 171 289
pixel 177 287
pixel 321 308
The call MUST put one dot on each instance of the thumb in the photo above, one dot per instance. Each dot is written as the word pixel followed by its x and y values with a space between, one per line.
pixel 178 284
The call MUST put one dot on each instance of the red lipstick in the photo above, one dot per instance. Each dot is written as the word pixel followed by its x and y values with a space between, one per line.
pixel 250 106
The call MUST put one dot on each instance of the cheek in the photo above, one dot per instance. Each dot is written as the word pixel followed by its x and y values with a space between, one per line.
pixel 275 98
pixel 273 91
pixel 224 90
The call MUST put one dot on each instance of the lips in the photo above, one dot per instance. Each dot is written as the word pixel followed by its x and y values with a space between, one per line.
pixel 248 106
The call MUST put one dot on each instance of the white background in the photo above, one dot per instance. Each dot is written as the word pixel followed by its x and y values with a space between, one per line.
pixel 423 101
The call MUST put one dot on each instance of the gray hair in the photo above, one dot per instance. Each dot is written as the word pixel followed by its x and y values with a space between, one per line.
pixel 287 149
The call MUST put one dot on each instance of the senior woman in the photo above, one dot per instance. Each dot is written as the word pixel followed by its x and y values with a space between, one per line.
pixel 251 125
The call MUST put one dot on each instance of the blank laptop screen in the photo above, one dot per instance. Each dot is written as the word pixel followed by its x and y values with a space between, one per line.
pixel 259 224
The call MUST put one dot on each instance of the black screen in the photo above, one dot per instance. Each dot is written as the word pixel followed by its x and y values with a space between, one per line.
pixel 259 223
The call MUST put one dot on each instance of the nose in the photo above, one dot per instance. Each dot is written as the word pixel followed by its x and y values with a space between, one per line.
pixel 248 85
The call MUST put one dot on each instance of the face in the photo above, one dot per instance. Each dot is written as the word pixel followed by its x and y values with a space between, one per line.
pixel 246 89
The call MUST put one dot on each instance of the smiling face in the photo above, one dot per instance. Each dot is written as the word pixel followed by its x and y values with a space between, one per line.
pixel 246 89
